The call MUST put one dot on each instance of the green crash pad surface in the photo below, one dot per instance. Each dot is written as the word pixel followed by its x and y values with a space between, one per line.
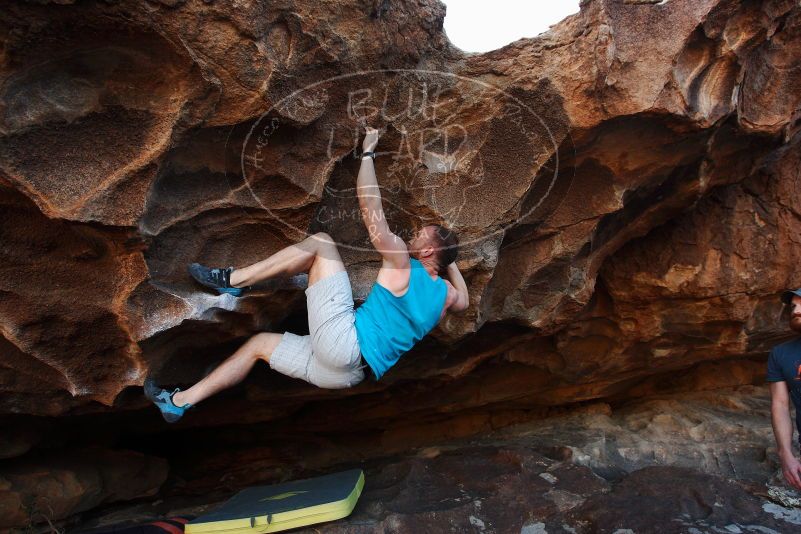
pixel 283 506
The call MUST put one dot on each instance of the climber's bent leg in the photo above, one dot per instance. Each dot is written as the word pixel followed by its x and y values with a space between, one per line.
pixel 329 356
pixel 317 255
pixel 232 371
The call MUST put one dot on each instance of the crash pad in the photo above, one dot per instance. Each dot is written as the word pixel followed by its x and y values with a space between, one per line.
pixel 283 506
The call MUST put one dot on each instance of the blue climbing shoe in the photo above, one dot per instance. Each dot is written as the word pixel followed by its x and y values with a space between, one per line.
pixel 163 401
pixel 218 279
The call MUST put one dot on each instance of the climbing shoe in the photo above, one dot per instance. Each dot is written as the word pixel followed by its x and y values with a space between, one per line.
pixel 218 279
pixel 163 401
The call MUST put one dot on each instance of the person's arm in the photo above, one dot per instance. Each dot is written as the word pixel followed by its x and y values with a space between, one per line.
pixel 463 298
pixel 392 248
pixel 783 431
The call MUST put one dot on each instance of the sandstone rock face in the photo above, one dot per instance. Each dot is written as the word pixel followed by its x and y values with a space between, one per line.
pixel 38 490
pixel 624 185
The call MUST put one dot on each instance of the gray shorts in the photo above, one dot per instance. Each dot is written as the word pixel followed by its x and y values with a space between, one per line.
pixel 329 356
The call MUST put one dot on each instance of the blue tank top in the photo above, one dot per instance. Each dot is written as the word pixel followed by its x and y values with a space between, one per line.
pixel 387 326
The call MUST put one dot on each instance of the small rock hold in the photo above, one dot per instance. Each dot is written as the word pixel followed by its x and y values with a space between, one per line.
pixel 549 477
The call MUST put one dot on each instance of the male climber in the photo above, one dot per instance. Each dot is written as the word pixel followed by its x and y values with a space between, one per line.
pixel 406 302
pixel 784 375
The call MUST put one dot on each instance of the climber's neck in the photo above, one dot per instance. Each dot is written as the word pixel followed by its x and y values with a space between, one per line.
pixel 430 266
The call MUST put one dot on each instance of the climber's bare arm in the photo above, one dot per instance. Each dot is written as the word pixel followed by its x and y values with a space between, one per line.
pixel 458 298
pixel 392 248
pixel 783 432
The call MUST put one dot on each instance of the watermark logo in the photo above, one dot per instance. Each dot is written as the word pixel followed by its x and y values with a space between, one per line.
pixel 453 150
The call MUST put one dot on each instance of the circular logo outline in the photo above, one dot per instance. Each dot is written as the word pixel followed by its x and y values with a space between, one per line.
pixel 502 228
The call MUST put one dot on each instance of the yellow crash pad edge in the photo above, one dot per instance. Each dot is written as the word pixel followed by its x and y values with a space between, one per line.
pixel 284 520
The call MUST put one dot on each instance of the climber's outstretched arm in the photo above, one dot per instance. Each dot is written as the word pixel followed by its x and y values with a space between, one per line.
pixel 462 300
pixel 392 248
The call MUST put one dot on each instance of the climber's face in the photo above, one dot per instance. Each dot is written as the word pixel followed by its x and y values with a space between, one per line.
pixel 795 313
pixel 421 245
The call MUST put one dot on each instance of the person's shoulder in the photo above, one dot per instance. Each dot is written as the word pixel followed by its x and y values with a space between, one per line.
pixel 790 346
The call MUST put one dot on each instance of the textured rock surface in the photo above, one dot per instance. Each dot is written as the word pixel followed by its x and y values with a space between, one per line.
pixel 122 129
pixel 56 486
pixel 698 460
pixel 625 186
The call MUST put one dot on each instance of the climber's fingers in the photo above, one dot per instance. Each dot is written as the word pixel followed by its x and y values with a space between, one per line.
pixel 797 475
pixel 792 474
pixel 366 128
pixel 787 477
pixel 370 138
